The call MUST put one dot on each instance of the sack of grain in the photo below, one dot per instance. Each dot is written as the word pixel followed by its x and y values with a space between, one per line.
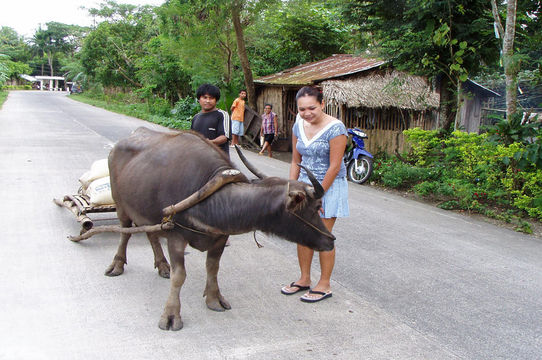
pixel 98 169
pixel 99 192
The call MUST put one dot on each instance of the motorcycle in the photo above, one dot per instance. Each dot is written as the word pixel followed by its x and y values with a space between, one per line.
pixel 358 161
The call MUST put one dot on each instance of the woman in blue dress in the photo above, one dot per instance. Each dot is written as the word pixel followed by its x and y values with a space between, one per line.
pixel 318 143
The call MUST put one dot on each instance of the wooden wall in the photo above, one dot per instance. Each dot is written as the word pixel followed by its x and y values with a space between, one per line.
pixel 283 101
pixel 273 96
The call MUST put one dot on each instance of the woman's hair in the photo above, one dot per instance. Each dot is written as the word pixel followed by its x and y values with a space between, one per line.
pixel 310 91
pixel 271 106
pixel 208 89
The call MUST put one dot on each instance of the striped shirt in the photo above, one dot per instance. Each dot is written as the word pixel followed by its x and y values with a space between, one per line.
pixel 268 123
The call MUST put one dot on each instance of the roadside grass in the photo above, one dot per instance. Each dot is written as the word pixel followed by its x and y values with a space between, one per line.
pixel 141 111
pixel 3 96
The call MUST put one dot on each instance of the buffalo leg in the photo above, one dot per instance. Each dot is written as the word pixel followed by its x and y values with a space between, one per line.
pixel 117 266
pixel 214 299
pixel 160 261
pixel 171 318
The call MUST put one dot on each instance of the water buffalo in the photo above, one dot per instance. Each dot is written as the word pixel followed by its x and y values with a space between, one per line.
pixel 152 171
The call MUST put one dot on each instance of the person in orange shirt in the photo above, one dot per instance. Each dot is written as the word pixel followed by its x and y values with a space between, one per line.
pixel 237 117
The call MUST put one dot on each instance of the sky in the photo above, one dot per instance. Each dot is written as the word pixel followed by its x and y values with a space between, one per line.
pixel 25 16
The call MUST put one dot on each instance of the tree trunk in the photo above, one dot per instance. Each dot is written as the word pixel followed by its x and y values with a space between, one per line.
pixel 242 52
pixel 50 62
pixel 448 102
pixel 511 65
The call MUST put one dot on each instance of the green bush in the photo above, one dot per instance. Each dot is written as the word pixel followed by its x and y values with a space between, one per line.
pixel 159 106
pixel 426 146
pixel 489 173
pixel 399 175
pixel 18 87
pixel 185 109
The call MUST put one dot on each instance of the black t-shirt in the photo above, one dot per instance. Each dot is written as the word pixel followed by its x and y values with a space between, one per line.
pixel 212 125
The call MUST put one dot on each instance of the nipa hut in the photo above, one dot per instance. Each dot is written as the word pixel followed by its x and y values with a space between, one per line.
pixel 362 92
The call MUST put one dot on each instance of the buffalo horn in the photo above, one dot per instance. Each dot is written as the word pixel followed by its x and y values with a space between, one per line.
pixel 249 165
pixel 219 180
pixel 318 189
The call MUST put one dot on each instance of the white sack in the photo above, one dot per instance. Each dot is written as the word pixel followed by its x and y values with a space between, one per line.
pixel 99 192
pixel 98 169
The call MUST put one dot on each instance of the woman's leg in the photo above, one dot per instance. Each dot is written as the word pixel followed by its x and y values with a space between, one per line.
pixel 304 256
pixel 327 262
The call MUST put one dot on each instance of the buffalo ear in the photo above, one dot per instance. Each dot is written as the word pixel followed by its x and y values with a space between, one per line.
pixel 295 200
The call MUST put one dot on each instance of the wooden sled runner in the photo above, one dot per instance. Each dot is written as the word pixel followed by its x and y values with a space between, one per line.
pixel 80 206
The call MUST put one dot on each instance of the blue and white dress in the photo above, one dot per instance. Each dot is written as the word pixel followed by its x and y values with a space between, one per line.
pixel 315 156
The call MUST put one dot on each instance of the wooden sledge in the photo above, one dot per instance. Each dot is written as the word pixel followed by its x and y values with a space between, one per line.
pixel 80 206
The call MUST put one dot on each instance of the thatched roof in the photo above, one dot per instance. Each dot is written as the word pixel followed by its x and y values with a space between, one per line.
pixel 391 88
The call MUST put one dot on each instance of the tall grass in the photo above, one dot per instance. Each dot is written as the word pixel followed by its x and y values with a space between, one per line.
pixel 3 97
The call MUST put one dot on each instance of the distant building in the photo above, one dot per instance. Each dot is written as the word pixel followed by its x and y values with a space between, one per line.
pixel 51 83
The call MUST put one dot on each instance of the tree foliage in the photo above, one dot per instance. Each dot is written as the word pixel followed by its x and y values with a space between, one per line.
pixel 53 41
pixel 111 51
pixel 15 53
pixel 203 40
pixel 296 32
pixel 13 45
pixel 447 40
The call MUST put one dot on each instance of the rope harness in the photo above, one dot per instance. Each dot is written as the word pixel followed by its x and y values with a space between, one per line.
pixel 303 220
pixel 169 219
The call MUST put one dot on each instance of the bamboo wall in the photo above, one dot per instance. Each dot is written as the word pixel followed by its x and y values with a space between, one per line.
pixel 384 126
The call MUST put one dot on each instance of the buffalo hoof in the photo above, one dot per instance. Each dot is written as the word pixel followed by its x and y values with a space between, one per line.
pixel 170 323
pixel 217 304
pixel 115 269
pixel 164 269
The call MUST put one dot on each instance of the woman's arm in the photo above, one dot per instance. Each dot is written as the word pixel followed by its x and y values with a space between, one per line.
pixel 337 145
pixel 296 159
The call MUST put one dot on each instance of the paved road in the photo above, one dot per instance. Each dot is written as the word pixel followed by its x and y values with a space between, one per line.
pixel 410 282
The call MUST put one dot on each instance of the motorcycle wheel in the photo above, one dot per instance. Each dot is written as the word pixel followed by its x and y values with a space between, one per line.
pixel 365 164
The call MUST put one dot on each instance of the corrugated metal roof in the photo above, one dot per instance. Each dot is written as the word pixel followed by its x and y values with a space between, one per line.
pixel 334 66
pixel 487 91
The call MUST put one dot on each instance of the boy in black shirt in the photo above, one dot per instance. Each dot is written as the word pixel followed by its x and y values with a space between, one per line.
pixel 212 123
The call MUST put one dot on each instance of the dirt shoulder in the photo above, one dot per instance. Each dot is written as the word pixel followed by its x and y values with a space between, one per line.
pixel 536 226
